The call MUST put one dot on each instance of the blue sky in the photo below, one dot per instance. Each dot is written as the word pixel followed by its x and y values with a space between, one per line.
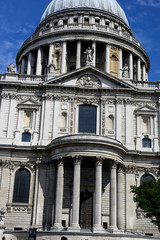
pixel 19 18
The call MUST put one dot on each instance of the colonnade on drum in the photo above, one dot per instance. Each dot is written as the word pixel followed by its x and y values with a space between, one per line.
pixel 116 195
pixel 25 67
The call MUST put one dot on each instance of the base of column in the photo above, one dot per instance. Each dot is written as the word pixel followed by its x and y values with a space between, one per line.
pixel 113 229
pixel 57 227
pixel 98 228
pixel 74 228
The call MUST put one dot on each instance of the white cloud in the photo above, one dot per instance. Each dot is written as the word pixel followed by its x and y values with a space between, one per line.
pixel 151 3
pixel 8 52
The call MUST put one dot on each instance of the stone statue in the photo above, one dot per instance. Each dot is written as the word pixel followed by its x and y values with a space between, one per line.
pixel 89 53
pixel 11 68
pixel 51 67
pixel 125 71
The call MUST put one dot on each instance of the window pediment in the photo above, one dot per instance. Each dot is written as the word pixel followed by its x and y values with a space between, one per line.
pixel 28 104
pixel 146 110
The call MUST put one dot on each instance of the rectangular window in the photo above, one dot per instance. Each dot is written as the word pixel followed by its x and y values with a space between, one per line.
pixel 75 20
pixel 97 22
pixel 145 125
pixel 87 119
pixel 86 20
pixel 27 119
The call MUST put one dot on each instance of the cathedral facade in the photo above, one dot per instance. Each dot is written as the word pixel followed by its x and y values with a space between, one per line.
pixel 80 124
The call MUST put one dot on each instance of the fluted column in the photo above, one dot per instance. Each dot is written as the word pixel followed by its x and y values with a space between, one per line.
pixel 120 63
pixel 59 195
pixel 107 66
pixel 29 63
pixel 50 53
pixel 78 55
pixel 39 62
pixel 98 196
pixel 120 203
pixel 63 59
pixel 113 207
pixel 139 69
pixel 131 65
pixel 76 194
pixel 144 72
pixel 23 66
pixel 94 55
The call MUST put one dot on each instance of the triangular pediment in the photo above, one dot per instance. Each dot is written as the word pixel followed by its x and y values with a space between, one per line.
pixel 28 103
pixel 146 109
pixel 88 77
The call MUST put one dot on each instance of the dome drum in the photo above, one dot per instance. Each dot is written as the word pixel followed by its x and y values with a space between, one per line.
pixel 69 55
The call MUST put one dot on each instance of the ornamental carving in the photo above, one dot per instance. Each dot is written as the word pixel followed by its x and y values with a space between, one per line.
pixel 88 101
pixel 89 81
pixel 20 209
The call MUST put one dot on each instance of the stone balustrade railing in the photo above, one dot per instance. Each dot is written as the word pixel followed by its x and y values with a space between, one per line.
pixel 146 84
pixel 21 78
pixel 39 79
pixel 103 28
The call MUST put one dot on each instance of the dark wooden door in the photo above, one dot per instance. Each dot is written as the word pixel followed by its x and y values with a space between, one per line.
pixel 86 210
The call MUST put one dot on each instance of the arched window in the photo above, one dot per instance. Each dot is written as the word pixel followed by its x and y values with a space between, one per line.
pixel 21 186
pixel 146 177
pixel 110 122
pixel 26 137
pixel 146 143
pixel 87 119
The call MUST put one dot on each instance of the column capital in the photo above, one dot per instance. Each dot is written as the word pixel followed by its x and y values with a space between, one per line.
pixel 113 164
pixel 77 160
pixel 60 161
pixel 99 160
pixel 121 168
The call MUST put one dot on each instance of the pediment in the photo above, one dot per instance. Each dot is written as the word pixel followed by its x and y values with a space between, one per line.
pixel 88 77
pixel 146 110
pixel 28 103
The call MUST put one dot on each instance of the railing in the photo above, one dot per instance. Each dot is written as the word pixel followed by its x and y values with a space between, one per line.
pixel 16 77
pixel 76 26
pixel 146 84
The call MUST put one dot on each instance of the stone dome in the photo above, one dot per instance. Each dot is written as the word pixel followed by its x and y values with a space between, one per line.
pixel 110 6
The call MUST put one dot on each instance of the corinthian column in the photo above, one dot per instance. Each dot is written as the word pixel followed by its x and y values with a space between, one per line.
pixel 113 207
pixel 59 195
pixel 139 69
pixel 78 56
pixel 76 195
pixel 120 197
pixel 94 54
pixel 98 197
pixel 63 59
pixel 120 63
pixel 107 65
pixel 29 63
pixel 131 66
pixel 39 62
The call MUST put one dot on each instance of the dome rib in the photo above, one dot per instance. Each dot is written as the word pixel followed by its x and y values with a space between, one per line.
pixel 110 6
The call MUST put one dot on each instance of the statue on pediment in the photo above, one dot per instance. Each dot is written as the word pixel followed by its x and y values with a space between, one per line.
pixel 11 68
pixel 125 71
pixel 89 54
pixel 51 67
pixel 88 81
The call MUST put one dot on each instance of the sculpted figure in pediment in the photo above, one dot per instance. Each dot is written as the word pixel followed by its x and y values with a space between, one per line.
pixel 88 80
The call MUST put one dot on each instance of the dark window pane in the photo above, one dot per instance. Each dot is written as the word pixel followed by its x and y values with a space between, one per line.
pixel 146 143
pixel 26 137
pixel 146 177
pixel 21 186
pixel 87 118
